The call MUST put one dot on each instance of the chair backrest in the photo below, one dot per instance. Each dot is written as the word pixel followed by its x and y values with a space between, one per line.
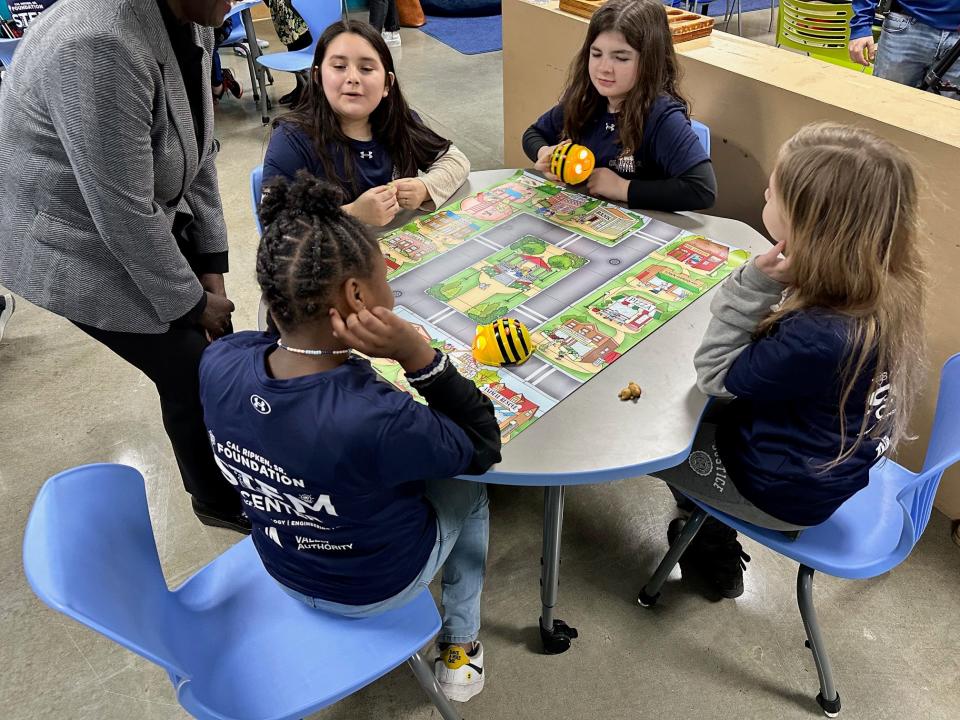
pixel 89 552
pixel 7 48
pixel 942 452
pixel 256 190
pixel 703 134
pixel 319 15
pixel 821 29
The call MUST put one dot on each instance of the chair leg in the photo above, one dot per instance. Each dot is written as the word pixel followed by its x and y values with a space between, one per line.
pixel 428 681
pixel 253 78
pixel 651 591
pixel 829 698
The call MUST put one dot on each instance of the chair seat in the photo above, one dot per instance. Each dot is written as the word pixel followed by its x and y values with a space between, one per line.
pixel 868 535
pixel 288 61
pixel 271 657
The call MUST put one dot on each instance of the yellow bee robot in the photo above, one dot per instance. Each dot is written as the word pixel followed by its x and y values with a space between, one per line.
pixel 572 163
pixel 503 342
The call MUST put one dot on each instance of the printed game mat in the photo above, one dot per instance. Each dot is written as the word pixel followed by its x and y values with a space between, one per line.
pixel 589 279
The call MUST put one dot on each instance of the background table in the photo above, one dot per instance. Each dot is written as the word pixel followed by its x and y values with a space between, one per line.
pixel 591 436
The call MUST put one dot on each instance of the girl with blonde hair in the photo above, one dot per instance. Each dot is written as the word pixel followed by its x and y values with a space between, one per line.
pixel 819 342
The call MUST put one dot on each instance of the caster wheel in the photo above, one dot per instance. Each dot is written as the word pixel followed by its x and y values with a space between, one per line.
pixel 558 639
pixel 831 708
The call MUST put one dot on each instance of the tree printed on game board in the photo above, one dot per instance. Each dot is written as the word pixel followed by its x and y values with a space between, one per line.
pixel 530 245
pixel 485 376
pixel 567 261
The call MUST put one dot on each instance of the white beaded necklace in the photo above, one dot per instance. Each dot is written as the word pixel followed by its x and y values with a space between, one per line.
pixel 301 351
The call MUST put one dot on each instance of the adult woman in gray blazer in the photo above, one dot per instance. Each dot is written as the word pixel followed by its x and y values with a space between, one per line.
pixel 110 212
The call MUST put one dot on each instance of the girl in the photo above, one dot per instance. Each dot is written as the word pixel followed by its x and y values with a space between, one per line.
pixel 819 342
pixel 355 130
pixel 346 480
pixel 621 101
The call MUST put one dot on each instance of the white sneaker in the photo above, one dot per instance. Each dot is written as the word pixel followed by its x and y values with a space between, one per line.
pixel 460 675
pixel 392 39
pixel 263 43
pixel 8 308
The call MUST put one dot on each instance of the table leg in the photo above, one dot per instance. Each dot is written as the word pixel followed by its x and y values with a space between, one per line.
pixel 253 49
pixel 554 634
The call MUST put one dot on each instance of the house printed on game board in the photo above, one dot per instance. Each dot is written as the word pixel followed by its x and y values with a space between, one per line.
pixel 513 410
pixel 447 227
pixel 584 341
pixel 701 254
pixel 630 311
pixel 486 206
pixel 512 192
pixel 668 284
pixel 410 245
pixel 607 221
pixel 563 203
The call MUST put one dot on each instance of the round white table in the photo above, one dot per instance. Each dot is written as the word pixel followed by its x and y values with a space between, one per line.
pixel 591 436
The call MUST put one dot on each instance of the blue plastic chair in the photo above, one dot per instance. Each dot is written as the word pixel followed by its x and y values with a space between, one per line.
pixel 871 533
pixel 703 134
pixel 256 190
pixel 233 643
pixel 238 35
pixel 319 15
pixel 7 48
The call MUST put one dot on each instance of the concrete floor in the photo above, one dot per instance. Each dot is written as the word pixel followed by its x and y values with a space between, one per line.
pixel 894 640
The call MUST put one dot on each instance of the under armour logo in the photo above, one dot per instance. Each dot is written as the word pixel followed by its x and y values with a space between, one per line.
pixel 611 127
pixel 366 155
pixel 260 405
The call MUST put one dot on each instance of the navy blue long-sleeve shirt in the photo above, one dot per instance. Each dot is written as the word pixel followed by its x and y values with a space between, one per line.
pixel 332 466
pixel 939 14
pixel 783 424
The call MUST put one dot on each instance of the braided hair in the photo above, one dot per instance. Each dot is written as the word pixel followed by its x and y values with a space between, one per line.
pixel 309 247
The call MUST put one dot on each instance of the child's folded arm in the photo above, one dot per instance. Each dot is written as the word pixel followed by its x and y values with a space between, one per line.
pixel 445 176
pixel 695 189
pixel 741 302
pixel 448 392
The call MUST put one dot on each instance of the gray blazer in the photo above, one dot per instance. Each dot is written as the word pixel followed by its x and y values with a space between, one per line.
pixel 97 154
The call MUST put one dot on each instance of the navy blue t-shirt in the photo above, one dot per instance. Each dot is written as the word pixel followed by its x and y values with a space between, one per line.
pixel 291 148
pixel 331 468
pixel 783 425
pixel 670 147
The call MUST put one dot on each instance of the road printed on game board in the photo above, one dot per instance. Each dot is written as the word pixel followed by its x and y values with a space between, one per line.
pixel 589 279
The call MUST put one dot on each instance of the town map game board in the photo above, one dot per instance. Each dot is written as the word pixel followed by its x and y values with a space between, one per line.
pixel 589 279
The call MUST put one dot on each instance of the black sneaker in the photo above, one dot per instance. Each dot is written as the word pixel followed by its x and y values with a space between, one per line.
pixel 715 554
pixel 215 517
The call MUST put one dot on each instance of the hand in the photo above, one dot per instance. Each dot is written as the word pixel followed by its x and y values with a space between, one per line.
pixel 377 206
pixel 543 161
pixel 774 265
pixel 411 193
pixel 215 318
pixel 213 283
pixel 605 183
pixel 381 333
pixel 863 50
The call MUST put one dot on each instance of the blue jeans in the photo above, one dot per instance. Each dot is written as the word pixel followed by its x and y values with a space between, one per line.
pixel 908 48
pixel 463 531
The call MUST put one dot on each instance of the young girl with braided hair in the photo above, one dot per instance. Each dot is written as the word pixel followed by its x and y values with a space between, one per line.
pixel 818 344
pixel 347 481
